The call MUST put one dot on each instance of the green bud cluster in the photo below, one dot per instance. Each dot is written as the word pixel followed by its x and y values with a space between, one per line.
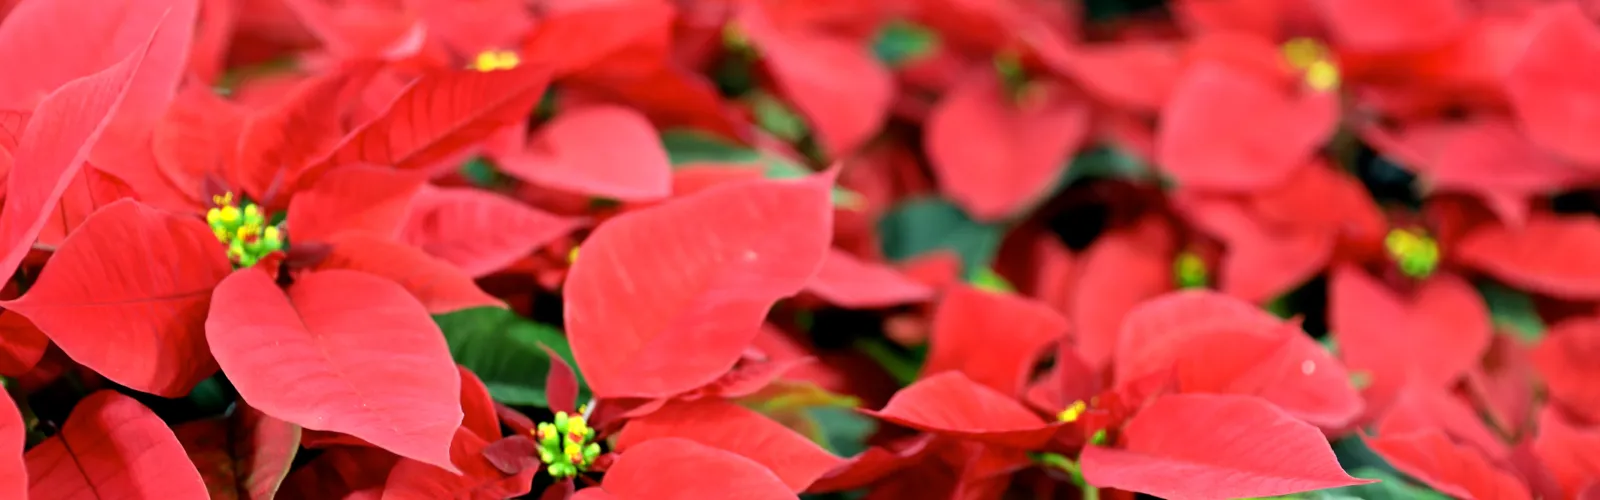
pixel 1414 252
pixel 244 230
pixel 565 445
pixel 1189 271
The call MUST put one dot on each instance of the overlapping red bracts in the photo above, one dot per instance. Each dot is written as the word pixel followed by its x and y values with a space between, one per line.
pixel 749 249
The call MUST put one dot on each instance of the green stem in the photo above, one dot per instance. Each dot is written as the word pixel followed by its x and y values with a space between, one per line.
pixel 903 370
pixel 1073 470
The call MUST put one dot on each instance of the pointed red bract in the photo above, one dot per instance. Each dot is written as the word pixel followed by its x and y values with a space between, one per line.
pixel 478 231
pixel 1380 332
pixel 1225 128
pixel 13 437
pixel 112 444
pixel 1155 331
pixel 994 339
pixel 678 469
pixel 657 322
pixel 413 480
pixel 601 151
pixel 341 351
pixel 952 404
pixel 127 295
pixel 1564 359
pixel 1215 447
pixel 246 455
pixel 847 281
pixel 1453 469
pixel 995 157
pixel 1550 84
pixel 21 344
pixel 439 285
pixel 560 384
pixel 1380 26
pixel 365 199
pixel 477 407
pixel 347 472
pixel 289 135
pixel 1551 254
pixel 1289 370
pixel 729 427
pixel 1121 270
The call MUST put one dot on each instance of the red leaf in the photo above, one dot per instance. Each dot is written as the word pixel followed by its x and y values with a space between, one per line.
pixel 560 383
pixel 342 351
pixel 676 469
pixel 477 407
pixel 440 286
pixel 21 344
pixel 439 116
pixel 1225 128
pixel 1549 85
pixel 714 270
pixel 57 141
pixel 1154 333
pixel 127 294
pixel 368 199
pixel 605 28
pixel 1380 332
pixel 1287 369
pixel 1425 409
pixel 1197 446
pixel 995 158
pixel 291 134
pixel 513 454
pixel 1551 254
pixel 797 461
pixel 994 339
pixel 91 190
pixel 833 80
pixel 1565 359
pixel 852 283
pixel 1121 270
pixel 112 444
pixel 952 404
pixel 1571 453
pixel 1453 469
pixel 246 455
pixel 601 151
pixel 471 228
pixel 13 434
pixel 350 473
pixel 479 478
pixel 198 136
pixel 1375 26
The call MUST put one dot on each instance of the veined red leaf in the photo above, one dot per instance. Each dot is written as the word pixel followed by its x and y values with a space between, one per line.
pixel 677 469
pixel 1548 85
pixel 1195 446
pixel 341 351
pixel 1225 128
pixel 347 472
pixel 714 270
pixel 198 136
pixel 357 198
pixel 602 151
pixel 112 445
pixel 358 30
pixel 440 286
pixel 57 141
pixel 88 192
pixel 733 428
pixel 993 338
pixel 479 479
pixel 246 455
pixel 13 437
pixel 477 407
pixel 847 281
pixel 1379 332
pixel 995 158
pixel 1288 369
pixel 951 404
pixel 1550 254
pixel 1454 469
pixel 127 294
pixel 21 344
pixel 479 231
pixel 276 142
pixel 437 117
pixel 126 141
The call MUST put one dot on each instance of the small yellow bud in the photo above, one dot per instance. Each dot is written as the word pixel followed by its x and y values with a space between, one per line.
pixel 1073 412
pixel 494 60
pixel 272 234
pixel 228 214
pixel 1302 52
pixel 572 258
pixel 1322 76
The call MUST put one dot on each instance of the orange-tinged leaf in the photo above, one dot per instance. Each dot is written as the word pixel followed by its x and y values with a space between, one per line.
pixel 733 428
pixel 246 455
pixel 127 295
pixel 341 351
pixel 112 445
pixel 440 286
pixel 1195 447
pixel 714 269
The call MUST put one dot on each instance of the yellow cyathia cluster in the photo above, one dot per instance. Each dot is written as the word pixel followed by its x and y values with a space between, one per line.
pixel 565 445
pixel 1314 61
pixel 1416 253
pixel 495 60
pixel 243 229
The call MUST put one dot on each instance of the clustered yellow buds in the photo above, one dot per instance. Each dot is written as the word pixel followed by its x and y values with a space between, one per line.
pixel 244 230
pixel 495 60
pixel 1073 412
pixel 565 445
pixel 1189 271
pixel 1314 61
pixel 1416 253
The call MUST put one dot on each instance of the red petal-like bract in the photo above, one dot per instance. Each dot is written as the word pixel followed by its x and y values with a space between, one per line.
pixel 1453 469
pixel 1551 84
pixel 679 469
pixel 847 281
pixel 1565 358
pixel 112 445
pixel 246 455
pixel 1380 333
pixel 994 339
pixel 1225 128
pixel 1379 26
pixel 665 299
pixel 994 156
pixel 440 286
pixel 1120 271
pixel 13 436
pixel 477 407
pixel 729 427
pixel 341 351
pixel 952 404
pixel 602 151
pixel 22 345
pixel 1551 254
pixel 348 472
pixel 478 231
pixel 560 383
pixel 360 198
pixel 58 139
pixel 1197 447
pixel 127 295
pixel 413 480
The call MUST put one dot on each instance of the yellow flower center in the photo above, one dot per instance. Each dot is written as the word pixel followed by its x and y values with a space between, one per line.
pixel 1189 271
pixel 1416 253
pixel 1314 61
pixel 244 230
pixel 1073 412
pixel 495 60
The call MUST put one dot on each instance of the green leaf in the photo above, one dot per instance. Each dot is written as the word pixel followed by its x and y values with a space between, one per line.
pixel 687 147
pixel 775 116
pixel 503 350
pixel 986 279
pixel 901 42
pixel 1390 486
pixel 1513 311
pixel 480 173
pixel 922 225
pixel 1104 162
pixel 845 429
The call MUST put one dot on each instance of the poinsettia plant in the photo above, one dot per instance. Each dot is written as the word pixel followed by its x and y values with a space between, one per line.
pixel 716 249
